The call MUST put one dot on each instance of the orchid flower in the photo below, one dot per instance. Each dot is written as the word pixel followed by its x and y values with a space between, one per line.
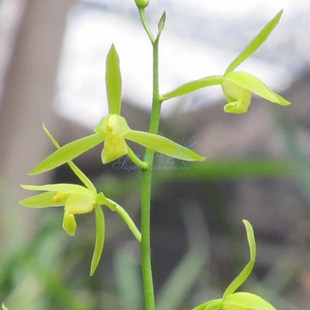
pixel 78 199
pixel 113 130
pixel 237 86
pixel 240 300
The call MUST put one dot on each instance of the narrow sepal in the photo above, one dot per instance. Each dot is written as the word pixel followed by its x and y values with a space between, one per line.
pixel 60 187
pixel 163 145
pixel 246 301
pixel 255 43
pixel 244 274
pixel 42 200
pixel 193 86
pixel 113 81
pixel 100 236
pixel 68 152
pixel 255 85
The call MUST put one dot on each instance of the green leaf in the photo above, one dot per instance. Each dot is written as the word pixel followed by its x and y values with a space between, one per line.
pixel 193 86
pixel 100 235
pixel 84 179
pixel 255 43
pixel 61 187
pixel 244 274
pixel 68 152
pixel 252 83
pixel 113 81
pixel 215 304
pixel 246 301
pixel 162 145
pixel 41 201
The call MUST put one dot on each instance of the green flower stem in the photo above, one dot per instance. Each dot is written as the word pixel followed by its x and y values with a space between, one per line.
pixel 125 216
pixel 147 179
pixel 138 162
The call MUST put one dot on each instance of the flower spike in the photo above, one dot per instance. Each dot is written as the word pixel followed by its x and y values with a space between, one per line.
pixel 240 300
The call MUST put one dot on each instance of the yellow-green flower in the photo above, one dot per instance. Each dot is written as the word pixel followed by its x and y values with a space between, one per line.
pixel 114 131
pixel 237 86
pixel 240 300
pixel 75 199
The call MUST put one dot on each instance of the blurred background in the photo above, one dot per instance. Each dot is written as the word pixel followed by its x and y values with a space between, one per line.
pixel 52 67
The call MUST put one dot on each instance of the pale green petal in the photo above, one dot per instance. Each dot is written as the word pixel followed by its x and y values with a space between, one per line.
pixel 80 204
pixel 246 301
pixel 61 187
pixel 4 307
pixel 244 274
pixel 253 84
pixel 215 304
pixel 69 224
pixel 255 43
pixel 41 201
pixel 163 145
pixel 100 236
pixel 114 124
pixel 68 152
pixel 193 86
pixel 113 81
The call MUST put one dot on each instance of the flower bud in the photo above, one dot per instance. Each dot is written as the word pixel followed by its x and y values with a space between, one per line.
pixel 141 4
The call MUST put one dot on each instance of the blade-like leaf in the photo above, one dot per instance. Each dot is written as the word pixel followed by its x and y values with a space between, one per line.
pixel 246 301
pixel 193 86
pixel 113 81
pixel 244 274
pixel 80 174
pixel 255 43
pixel 163 145
pixel 68 152
pixel 100 235
pixel 42 200
pixel 61 187
pixel 255 85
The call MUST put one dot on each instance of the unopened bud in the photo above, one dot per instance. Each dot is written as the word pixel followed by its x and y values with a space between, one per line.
pixel 141 4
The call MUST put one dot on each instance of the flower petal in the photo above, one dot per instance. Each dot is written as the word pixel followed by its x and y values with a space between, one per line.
pixel 69 223
pixel 79 204
pixel 255 85
pixel 193 86
pixel 68 152
pixel 100 236
pixel 255 43
pixel 246 301
pixel 215 304
pixel 113 81
pixel 114 124
pixel 163 145
pixel 244 274
pixel 42 200
pixel 60 187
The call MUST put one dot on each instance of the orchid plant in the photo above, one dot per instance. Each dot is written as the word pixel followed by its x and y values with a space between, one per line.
pixel 114 132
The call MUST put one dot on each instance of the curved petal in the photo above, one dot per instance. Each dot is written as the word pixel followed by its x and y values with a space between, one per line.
pixel 42 200
pixel 100 236
pixel 113 81
pixel 255 43
pixel 193 86
pixel 215 304
pixel 244 274
pixel 163 145
pixel 61 187
pixel 114 148
pixel 255 85
pixel 246 301
pixel 68 152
